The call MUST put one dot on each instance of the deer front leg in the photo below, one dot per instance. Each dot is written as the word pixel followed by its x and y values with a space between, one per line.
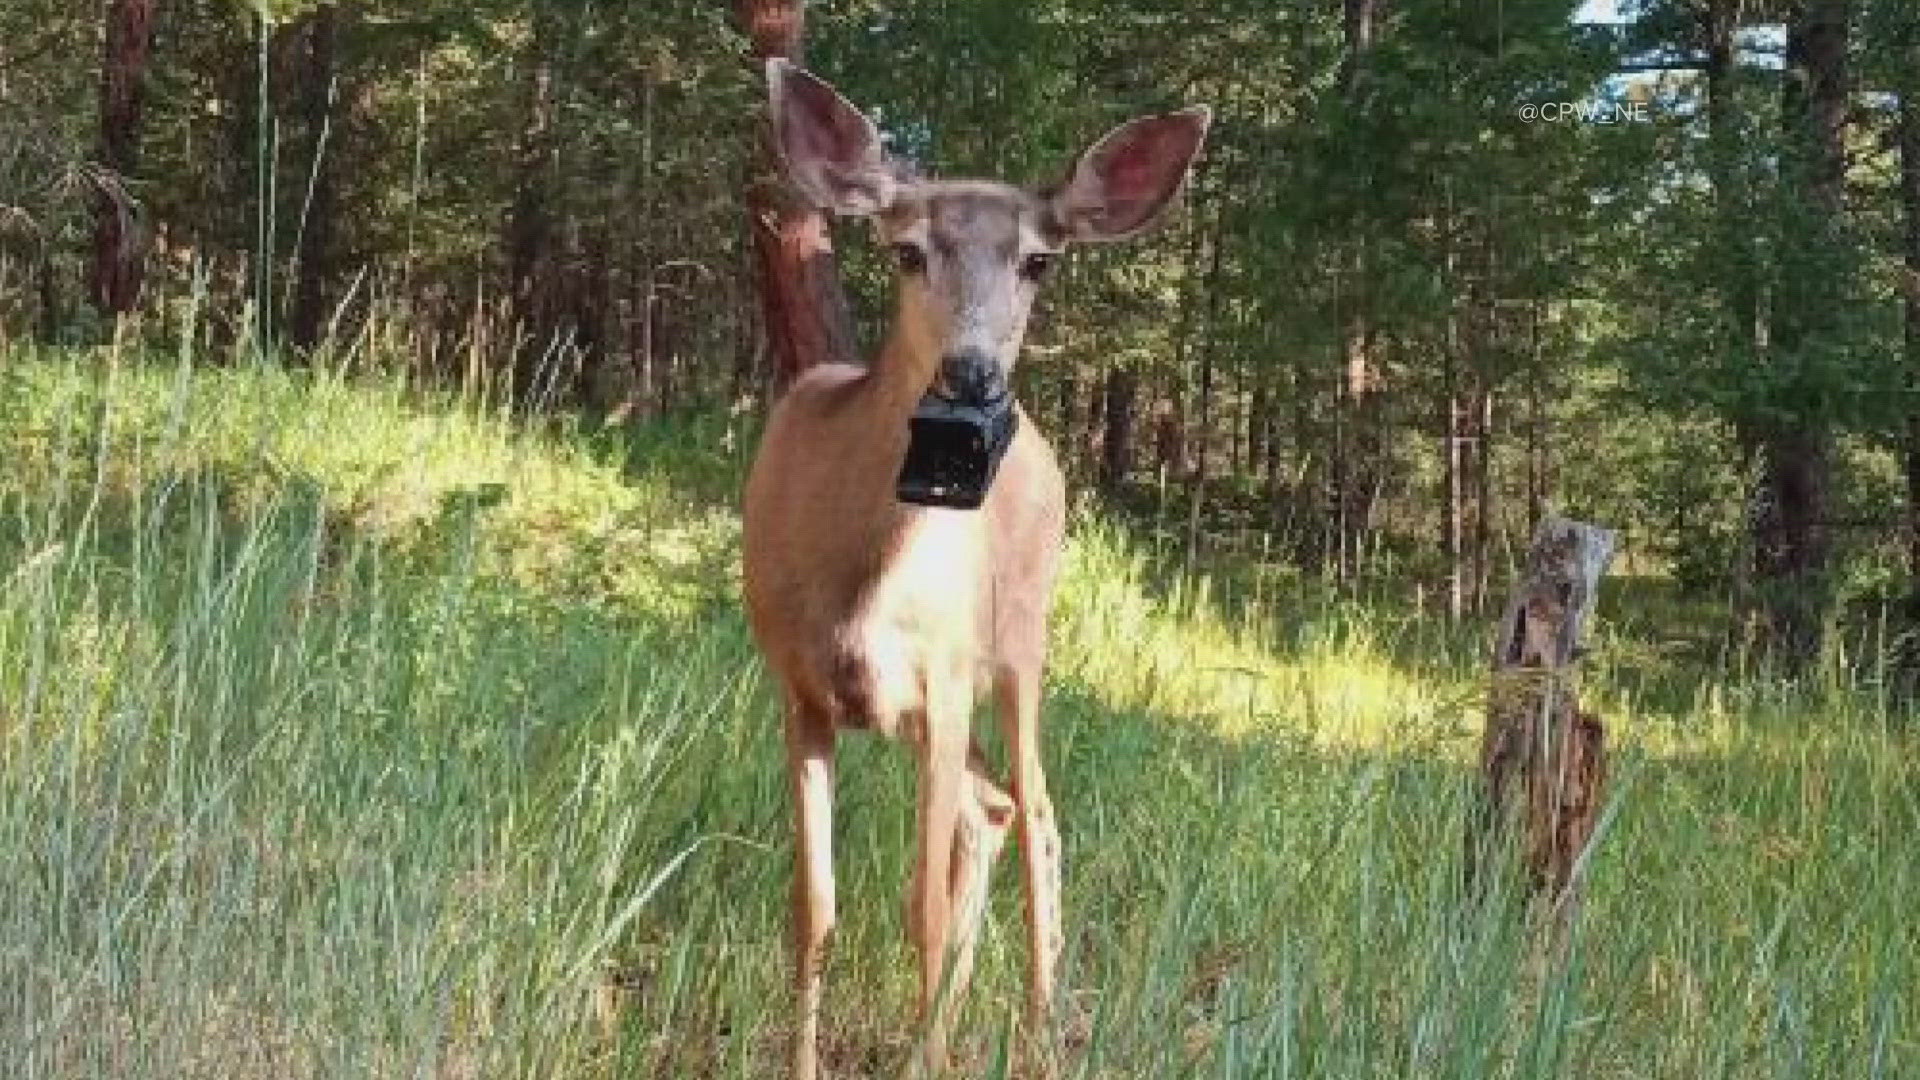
pixel 1018 705
pixel 810 769
pixel 943 774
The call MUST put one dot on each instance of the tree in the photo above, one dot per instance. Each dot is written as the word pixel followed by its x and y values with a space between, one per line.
pixel 803 305
pixel 119 248
pixel 1795 448
pixel 316 250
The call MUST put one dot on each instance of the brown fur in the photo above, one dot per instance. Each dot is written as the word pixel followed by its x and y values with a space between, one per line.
pixel 893 618
pixel 897 619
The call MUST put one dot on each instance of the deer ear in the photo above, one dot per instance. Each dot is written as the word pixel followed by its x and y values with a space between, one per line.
pixel 1122 184
pixel 832 152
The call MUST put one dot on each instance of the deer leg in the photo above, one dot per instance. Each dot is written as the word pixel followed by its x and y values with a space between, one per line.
pixel 943 776
pixel 980 832
pixel 810 769
pixel 1018 705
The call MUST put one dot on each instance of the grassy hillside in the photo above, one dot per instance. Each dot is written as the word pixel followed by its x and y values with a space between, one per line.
pixel 346 731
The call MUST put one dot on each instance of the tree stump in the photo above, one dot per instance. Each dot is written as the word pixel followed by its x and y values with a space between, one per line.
pixel 1542 759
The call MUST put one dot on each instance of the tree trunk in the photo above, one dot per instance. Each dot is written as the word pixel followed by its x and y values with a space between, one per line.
pixel 1452 499
pixel 1359 19
pixel 119 248
pixel 1067 422
pixel 1536 424
pixel 1483 494
pixel 801 298
pixel 1910 201
pixel 47 288
pixel 1739 266
pixel 1791 547
pixel 1357 442
pixel 1209 349
pixel 1116 442
pixel 1173 436
pixel 1170 436
pixel 1908 136
pixel 316 255
pixel 1737 270
pixel 530 222
pixel 1259 424
pixel 1537 744
pixel 1453 434
pixel 1240 424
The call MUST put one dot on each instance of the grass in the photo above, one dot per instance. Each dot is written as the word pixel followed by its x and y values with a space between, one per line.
pixel 349 731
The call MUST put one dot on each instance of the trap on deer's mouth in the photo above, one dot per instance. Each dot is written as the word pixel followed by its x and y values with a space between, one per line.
pixel 954 450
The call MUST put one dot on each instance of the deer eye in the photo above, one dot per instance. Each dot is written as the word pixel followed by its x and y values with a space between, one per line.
pixel 909 258
pixel 1035 266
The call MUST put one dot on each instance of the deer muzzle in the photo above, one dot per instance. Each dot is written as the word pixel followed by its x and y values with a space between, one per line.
pixel 958 434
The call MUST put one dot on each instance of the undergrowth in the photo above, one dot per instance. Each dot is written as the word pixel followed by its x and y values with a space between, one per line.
pixel 353 729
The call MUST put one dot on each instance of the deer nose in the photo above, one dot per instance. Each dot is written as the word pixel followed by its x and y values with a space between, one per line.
pixel 971 378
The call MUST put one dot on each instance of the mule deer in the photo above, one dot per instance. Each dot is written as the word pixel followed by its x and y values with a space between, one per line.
pixel 880 615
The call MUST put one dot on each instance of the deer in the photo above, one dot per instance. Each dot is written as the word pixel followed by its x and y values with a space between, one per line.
pixel 896 617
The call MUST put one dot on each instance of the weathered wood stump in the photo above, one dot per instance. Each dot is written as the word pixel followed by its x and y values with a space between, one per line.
pixel 1543 760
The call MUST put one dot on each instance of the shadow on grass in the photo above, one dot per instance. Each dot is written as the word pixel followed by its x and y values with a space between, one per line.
pixel 287 795
pixel 1262 906
pixel 1229 902
pixel 291 795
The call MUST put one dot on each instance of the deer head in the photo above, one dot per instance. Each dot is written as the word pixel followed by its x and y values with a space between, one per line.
pixel 970 255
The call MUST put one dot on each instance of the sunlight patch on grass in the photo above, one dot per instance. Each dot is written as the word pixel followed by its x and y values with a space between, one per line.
pixel 419 474
pixel 1170 651
pixel 380 755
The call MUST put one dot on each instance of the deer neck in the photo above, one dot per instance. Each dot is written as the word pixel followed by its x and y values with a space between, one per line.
pixel 902 373
pixel 882 411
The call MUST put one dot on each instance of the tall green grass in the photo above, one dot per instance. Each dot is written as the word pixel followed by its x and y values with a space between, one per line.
pixel 351 731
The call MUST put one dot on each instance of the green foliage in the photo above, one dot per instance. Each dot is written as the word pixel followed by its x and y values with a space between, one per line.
pixel 553 191
pixel 358 717
pixel 296 777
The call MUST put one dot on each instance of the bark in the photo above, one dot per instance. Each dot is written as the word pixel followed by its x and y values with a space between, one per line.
pixel 1739 261
pixel 802 301
pixel 1296 490
pixel 1258 425
pixel 649 353
pixel 588 315
pixel 1483 493
pixel 637 237
pixel 1357 441
pixel 1170 438
pixel 1172 435
pixel 1791 546
pixel 316 256
pixel 1068 422
pixel 1208 362
pixel 1910 202
pixel 1536 424
pixel 1542 760
pixel 1359 19
pixel 530 223
pixel 1453 438
pixel 1116 442
pixel 1241 423
pixel 47 289
pixel 1452 497
pixel 1364 443
pixel 1738 269
pixel 1202 462
pixel 1270 451
pixel 666 366
pixel 119 249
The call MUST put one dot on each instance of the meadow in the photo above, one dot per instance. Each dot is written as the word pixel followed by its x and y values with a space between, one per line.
pixel 352 729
